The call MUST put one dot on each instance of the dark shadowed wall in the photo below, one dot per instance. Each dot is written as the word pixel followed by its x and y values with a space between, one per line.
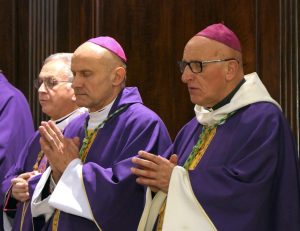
pixel 153 34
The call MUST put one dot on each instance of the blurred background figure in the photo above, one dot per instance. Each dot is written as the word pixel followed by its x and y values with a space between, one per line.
pixel 16 127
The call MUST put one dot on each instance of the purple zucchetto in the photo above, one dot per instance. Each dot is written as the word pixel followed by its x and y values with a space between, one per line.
pixel 220 33
pixel 111 45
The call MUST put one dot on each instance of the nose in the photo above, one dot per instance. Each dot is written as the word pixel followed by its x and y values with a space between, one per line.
pixel 42 88
pixel 76 82
pixel 187 75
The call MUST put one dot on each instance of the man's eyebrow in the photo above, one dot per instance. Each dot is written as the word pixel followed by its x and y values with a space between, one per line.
pixel 83 70
pixel 46 76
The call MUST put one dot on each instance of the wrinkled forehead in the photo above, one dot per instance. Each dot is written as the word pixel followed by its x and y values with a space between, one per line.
pixel 201 48
pixel 198 48
pixel 55 69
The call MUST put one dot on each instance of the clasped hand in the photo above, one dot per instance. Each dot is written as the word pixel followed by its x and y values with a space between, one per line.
pixel 154 171
pixel 60 151
pixel 19 188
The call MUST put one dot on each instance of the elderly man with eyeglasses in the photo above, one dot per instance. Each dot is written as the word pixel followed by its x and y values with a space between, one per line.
pixel 57 100
pixel 236 166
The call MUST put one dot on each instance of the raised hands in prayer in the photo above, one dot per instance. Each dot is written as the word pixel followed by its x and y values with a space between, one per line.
pixel 153 171
pixel 59 150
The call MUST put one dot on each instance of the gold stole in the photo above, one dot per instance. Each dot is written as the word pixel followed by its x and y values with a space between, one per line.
pixel 205 138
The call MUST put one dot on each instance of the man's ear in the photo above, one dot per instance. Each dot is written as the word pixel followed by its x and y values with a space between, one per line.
pixel 119 77
pixel 232 69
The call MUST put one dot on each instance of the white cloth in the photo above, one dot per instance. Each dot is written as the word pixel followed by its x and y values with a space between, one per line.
pixel 151 210
pixel 7 222
pixel 182 212
pixel 64 121
pixel 67 196
pixel 252 91
pixel 71 197
pixel 99 116
pixel 39 207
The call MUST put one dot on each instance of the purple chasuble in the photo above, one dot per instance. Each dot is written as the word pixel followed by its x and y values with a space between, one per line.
pixel 16 127
pixel 25 164
pixel 248 178
pixel 115 198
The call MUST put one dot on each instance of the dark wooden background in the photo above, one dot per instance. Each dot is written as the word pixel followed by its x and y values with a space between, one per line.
pixel 153 34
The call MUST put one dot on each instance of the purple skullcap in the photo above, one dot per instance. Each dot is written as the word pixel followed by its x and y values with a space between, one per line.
pixel 111 45
pixel 220 33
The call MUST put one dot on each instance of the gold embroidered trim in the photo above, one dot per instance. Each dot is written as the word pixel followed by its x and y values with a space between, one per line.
pixel 39 158
pixel 161 216
pixel 55 220
pixel 88 146
pixel 24 209
pixel 209 136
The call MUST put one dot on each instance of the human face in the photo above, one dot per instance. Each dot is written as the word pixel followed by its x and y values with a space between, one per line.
pixel 208 87
pixel 93 77
pixel 58 101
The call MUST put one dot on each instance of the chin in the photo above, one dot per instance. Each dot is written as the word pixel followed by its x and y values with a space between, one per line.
pixel 44 109
pixel 195 101
pixel 80 103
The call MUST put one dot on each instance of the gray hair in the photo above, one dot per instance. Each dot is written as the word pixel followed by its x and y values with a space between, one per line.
pixel 66 59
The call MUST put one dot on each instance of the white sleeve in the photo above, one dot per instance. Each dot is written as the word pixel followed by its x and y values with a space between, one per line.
pixel 151 210
pixel 7 222
pixel 38 206
pixel 183 210
pixel 69 194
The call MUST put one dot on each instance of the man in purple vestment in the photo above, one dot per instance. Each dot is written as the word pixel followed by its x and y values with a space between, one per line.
pixel 16 127
pixel 236 167
pixel 88 185
pixel 57 100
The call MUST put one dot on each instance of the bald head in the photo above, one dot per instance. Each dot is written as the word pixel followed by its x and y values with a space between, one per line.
pixel 105 57
pixel 110 44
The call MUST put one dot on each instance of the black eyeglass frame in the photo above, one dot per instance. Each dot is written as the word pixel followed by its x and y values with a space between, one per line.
pixel 183 64
pixel 49 82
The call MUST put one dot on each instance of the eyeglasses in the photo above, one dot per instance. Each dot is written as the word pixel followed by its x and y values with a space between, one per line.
pixel 48 82
pixel 197 66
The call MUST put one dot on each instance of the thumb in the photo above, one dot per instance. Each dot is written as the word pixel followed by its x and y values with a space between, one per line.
pixel 76 141
pixel 173 159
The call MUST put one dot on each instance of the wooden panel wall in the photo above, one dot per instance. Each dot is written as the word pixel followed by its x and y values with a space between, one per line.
pixel 153 34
